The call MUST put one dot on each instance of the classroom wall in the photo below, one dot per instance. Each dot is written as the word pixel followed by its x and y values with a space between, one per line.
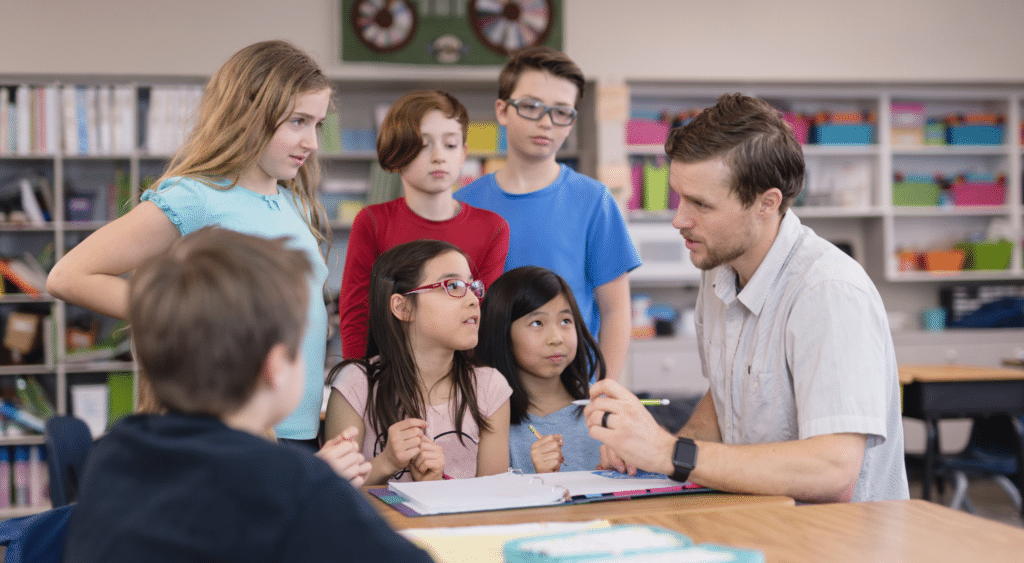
pixel 785 40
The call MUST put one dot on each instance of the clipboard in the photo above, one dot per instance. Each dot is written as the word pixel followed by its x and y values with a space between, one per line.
pixel 518 490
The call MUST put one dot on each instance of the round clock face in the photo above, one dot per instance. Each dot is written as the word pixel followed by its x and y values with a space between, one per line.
pixel 384 26
pixel 505 26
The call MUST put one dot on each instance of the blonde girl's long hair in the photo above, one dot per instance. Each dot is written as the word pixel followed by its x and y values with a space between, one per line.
pixel 242 106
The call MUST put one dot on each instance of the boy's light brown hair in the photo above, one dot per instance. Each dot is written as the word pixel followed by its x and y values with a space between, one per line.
pixel 539 57
pixel 205 315
pixel 400 139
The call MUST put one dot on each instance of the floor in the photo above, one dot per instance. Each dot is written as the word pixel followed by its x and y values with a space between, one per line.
pixel 988 498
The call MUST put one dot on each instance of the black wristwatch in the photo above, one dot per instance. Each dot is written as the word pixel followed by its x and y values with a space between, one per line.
pixel 684 458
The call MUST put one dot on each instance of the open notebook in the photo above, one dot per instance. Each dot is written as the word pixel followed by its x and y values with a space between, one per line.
pixel 517 490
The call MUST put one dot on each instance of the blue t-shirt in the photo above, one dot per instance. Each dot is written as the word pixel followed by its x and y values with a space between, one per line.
pixel 192 205
pixel 581 452
pixel 572 227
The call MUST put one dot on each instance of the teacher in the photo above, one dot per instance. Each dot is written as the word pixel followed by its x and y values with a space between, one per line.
pixel 793 336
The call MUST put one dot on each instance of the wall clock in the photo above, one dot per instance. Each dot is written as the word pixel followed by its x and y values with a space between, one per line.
pixel 384 26
pixel 505 26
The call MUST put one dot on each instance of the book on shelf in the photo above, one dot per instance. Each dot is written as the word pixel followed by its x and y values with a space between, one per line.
pixel 33 397
pixel 26 276
pixel 22 418
pixel 99 352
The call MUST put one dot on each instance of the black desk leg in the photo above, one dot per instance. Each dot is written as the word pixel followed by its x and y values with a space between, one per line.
pixel 1018 443
pixel 931 453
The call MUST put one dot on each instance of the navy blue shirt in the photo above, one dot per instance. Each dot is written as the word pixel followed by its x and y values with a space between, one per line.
pixel 188 488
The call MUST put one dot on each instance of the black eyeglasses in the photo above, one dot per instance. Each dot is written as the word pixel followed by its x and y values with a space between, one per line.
pixel 453 287
pixel 534 111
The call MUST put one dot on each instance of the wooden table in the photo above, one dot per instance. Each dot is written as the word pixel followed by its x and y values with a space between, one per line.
pixel 905 531
pixel 679 504
pixel 932 392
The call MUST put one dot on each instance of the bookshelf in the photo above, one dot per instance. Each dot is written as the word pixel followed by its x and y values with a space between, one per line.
pixel 98 153
pixel 850 191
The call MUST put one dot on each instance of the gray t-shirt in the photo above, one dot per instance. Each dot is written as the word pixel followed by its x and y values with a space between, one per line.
pixel 804 350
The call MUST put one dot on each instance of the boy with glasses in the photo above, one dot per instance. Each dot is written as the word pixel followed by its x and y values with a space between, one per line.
pixel 558 219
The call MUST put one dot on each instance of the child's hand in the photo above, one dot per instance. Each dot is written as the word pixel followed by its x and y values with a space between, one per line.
pixel 546 454
pixel 404 439
pixel 429 464
pixel 344 457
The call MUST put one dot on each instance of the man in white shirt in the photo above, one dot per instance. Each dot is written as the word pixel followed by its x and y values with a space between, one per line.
pixel 793 336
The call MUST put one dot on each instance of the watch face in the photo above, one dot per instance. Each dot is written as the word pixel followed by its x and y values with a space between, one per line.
pixel 685 455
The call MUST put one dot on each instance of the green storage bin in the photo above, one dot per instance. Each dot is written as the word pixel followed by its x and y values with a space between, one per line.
pixel 987 255
pixel 915 194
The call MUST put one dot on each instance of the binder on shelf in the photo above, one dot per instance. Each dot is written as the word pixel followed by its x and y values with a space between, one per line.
pixel 655 185
pixel 23 101
pixel 5 120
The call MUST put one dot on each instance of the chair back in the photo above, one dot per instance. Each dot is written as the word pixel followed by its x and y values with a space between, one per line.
pixel 38 538
pixel 68 442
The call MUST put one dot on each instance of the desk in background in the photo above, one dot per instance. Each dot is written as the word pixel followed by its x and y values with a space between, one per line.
pixel 675 504
pixel 933 392
pixel 909 531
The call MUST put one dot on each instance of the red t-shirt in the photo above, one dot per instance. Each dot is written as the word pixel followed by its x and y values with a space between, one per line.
pixel 481 234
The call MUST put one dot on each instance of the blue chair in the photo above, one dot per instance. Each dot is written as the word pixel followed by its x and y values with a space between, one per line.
pixel 38 538
pixel 68 443
pixel 993 451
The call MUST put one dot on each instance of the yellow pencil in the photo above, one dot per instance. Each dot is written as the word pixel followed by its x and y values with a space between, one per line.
pixel 537 434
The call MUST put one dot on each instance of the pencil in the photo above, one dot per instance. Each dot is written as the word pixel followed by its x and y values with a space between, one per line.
pixel 537 434
pixel 650 402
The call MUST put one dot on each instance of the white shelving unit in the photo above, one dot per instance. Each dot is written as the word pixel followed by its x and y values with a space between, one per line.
pixel 868 221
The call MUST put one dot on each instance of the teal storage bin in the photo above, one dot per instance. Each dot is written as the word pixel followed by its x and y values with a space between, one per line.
pixel 974 135
pixel 843 134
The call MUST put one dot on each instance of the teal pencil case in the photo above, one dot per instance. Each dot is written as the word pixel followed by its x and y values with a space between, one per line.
pixel 635 544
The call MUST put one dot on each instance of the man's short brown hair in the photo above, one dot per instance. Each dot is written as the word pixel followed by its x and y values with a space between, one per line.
pixel 205 315
pixel 400 139
pixel 753 140
pixel 543 58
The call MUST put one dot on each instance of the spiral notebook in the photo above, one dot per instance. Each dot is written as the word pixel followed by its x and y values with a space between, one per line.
pixel 518 490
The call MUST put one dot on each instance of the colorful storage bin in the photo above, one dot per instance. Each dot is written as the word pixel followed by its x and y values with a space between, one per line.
pixel 987 255
pixel 978 193
pixel 974 134
pixel 915 193
pixel 843 134
pixel 800 124
pixel 646 132
pixel 951 260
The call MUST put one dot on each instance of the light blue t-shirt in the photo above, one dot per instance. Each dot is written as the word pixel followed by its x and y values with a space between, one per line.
pixel 572 227
pixel 192 205
pixel 581 452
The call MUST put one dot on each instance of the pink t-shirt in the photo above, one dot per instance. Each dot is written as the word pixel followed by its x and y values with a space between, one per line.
pixel 459 458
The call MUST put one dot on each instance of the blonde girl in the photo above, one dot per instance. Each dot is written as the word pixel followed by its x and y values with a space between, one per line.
pixel 249 165
pixel 422 409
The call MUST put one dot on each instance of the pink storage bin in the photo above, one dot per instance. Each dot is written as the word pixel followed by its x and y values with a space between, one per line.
pixel 646 132
pixel 978 193
pixel 800 125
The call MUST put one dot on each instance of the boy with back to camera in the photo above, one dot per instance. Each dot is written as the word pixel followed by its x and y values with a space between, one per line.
pixel 557 218
pixel 218 323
